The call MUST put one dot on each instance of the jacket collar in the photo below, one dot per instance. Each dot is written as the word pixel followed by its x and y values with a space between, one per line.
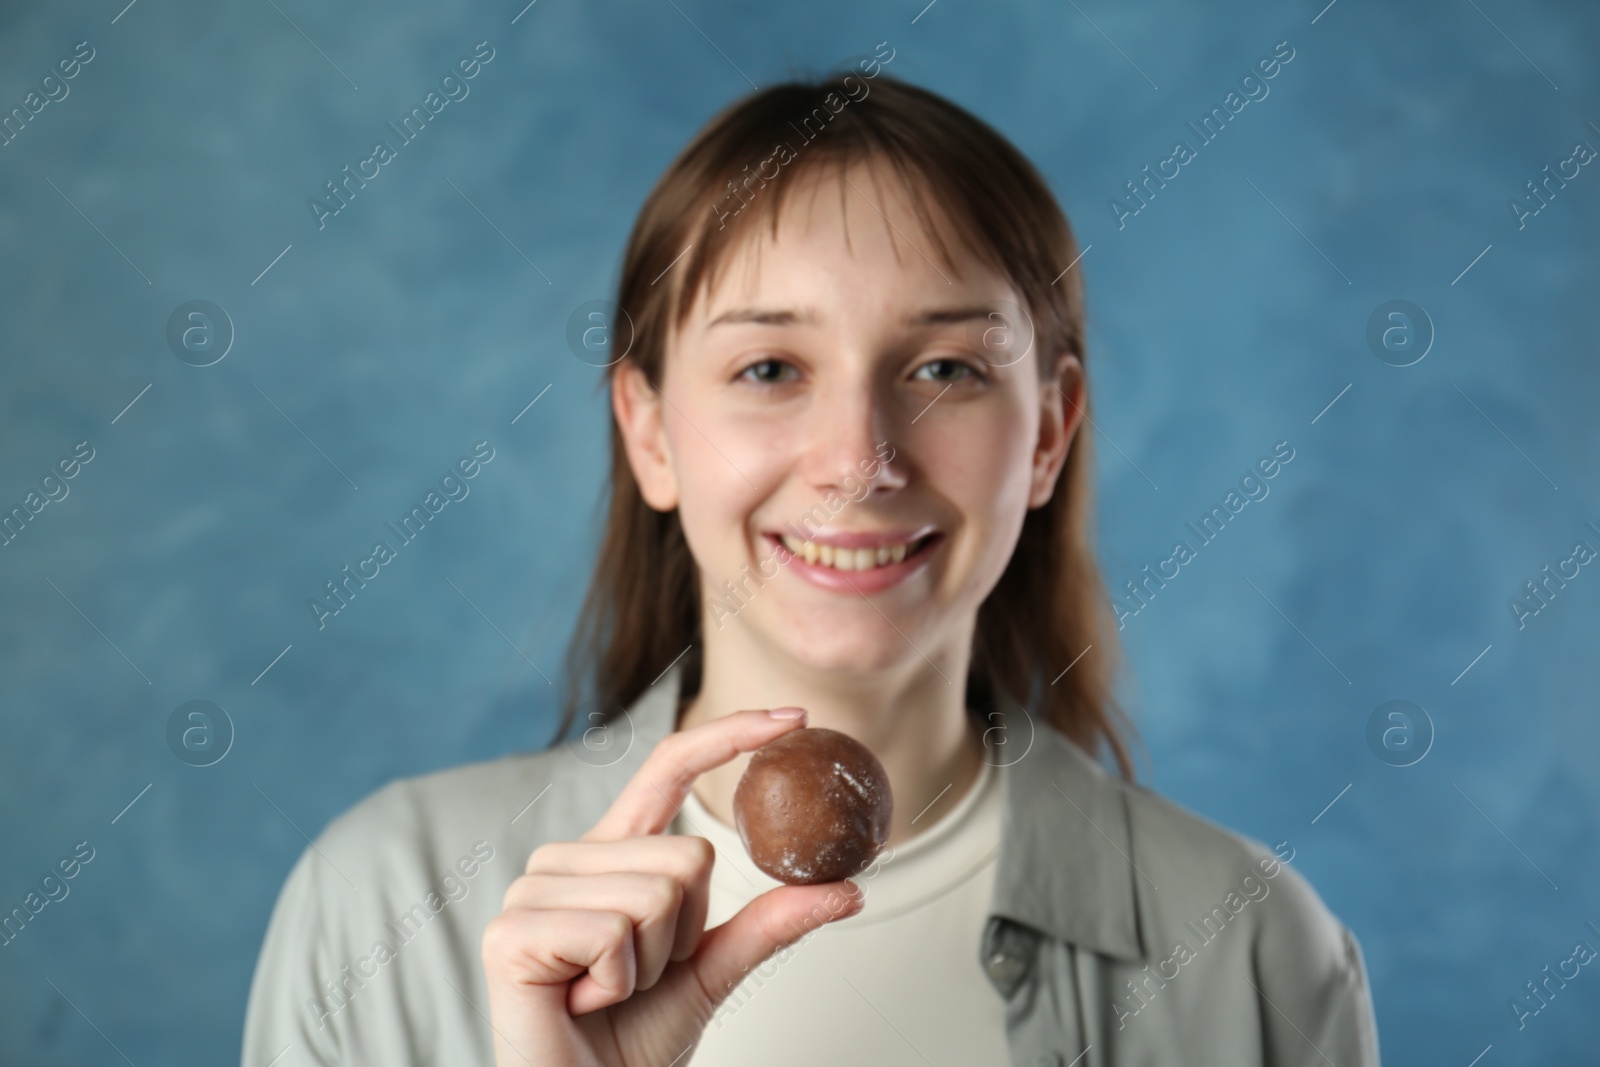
pixel 1065 865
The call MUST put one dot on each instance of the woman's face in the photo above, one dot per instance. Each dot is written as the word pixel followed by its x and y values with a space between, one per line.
pixel 837 389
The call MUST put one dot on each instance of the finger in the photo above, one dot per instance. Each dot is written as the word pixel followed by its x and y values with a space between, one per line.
pixel 545 949
pixel 696 903
pixel 772 921
pixel 650 901
pixel 678 855
pixel 657 790
pixel 688 859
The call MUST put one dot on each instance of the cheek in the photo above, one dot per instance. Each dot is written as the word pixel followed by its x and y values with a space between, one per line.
pixel 982 465
pixel 983 462
pixel 715 501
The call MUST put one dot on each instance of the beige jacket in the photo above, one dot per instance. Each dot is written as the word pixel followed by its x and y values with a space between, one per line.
pixel 1123 931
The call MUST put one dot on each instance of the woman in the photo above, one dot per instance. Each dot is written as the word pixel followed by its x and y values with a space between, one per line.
pixel 849 486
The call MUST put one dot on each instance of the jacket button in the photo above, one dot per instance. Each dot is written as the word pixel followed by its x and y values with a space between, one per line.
pixel 1007 954
pixel 1006 968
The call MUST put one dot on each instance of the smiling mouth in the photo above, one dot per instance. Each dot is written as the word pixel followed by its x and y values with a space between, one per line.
pixel 857 559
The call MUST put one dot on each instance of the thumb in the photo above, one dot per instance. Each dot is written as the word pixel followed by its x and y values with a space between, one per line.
pixel 774 920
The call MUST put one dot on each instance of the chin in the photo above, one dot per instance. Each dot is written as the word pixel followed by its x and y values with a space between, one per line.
pixel 828 648
pixel 849 662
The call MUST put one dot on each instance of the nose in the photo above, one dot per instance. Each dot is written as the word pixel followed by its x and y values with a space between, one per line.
pixel 850 438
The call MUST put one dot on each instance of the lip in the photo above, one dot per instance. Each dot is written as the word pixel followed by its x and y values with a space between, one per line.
pixel 859 538
pixel 874 580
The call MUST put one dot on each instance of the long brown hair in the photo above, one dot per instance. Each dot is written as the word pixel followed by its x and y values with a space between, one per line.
pixel 1050 609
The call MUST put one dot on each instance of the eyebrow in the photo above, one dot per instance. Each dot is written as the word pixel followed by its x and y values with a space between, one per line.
pixel 809 317
pixel 766 317
pixel 945 316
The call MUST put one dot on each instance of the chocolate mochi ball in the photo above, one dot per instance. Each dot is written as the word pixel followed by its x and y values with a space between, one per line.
pixel 813 806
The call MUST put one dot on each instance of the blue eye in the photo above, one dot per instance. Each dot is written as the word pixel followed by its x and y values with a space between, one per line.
pixel 760 379
pixel 951 365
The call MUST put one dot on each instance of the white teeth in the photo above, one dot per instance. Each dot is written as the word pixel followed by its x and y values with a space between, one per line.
pixel 845 559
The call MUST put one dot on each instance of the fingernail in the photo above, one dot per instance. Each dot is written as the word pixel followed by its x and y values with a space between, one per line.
pixel 787 713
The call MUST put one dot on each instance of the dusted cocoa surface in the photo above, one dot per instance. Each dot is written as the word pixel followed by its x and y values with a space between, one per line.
pixel 813 806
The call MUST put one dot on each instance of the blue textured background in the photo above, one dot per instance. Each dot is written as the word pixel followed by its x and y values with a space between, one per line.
pixel 1381 564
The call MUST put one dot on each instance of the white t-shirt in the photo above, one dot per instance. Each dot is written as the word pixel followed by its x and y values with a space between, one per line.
pixel 897 983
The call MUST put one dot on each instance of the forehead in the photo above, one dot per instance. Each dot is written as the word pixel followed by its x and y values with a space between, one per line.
pixel 857 232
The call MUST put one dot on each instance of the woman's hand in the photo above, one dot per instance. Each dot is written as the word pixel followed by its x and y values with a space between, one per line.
pixel 601 958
